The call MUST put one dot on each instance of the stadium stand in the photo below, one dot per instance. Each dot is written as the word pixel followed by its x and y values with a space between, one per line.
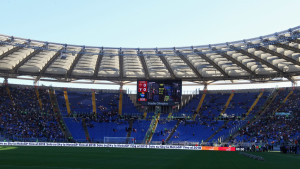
pixel 23 119
pixel 264 116
pixel 275 127
pixel 277 124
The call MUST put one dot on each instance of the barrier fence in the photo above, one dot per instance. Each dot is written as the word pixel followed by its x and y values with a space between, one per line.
pixel 176 147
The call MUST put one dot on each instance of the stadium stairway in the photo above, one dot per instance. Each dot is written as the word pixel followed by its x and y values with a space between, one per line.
pixel 214 104
pixel 130 127
pixel 151 129
pixel 162 130
pixel 120 102
pixel 284 101
pixel 76 129
pixel 188 107
pixel 254 104
pixel 94 102
pixel 140 129
pixel 173 131
pixel 61 122
pixel 38 97
pixel 9 94
pixel 199 105
pixel 217 131
pixel 227 103
pixel 222 112
pixel 170 115
pixel 67 101
pixel 86 132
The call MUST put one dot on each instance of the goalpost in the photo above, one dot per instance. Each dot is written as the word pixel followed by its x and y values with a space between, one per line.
pixel 119 140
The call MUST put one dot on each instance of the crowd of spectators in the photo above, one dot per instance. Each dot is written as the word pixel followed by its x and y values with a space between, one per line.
pixel 276 127
pixel 272 129
pixel 107 110
pixel 23 119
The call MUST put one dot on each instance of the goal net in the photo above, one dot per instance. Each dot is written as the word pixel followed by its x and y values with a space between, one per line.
pixel 119 140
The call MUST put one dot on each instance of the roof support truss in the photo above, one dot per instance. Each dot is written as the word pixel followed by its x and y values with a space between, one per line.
pixel 258 59
pixel 189 64
pixel 42 72
pixel 203 56
pixel 296 40
pixel 284 46
pixel 160 55
pixel 35 52
pixel 99 60
pixel 141 56
pixel 121 65
pixel 77 58
pixel 279 55
pixel 10 52
pixel 237 63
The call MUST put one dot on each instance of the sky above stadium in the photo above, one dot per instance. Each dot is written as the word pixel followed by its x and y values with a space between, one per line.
pixel 145 23
pixel 137 23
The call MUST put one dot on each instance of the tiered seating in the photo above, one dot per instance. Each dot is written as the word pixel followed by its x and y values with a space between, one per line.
pixel 259 104
pixel 240 103
pixel 100 130
pixel 225 131
pixel 292 103
pixel 61 102
pixel 140 128
pixel 190 107
pixel 25 120
pixel 80 102
pixel 243 101
pixel 272 127
pixel 107 102
pixel 76 129
pixel 195 132
pixel 213 104
pixel 163 129
pixel 128 106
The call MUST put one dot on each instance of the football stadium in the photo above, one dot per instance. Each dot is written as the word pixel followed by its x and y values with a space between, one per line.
pixel 230 105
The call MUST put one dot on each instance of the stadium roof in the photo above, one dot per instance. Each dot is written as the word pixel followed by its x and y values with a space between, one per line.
pixel 260 59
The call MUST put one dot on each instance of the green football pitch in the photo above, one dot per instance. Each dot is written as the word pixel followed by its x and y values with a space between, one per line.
pixel 111 158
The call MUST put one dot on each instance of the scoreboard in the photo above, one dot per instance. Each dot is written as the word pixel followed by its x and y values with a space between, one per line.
pixel 159 92
pixel 142 90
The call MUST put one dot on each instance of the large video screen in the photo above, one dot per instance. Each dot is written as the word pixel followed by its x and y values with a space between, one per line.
pixel 159 92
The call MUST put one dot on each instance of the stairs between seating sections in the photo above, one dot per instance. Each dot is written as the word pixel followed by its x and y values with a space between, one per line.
pixel 173 131
pixel 58 116
pixel 86 132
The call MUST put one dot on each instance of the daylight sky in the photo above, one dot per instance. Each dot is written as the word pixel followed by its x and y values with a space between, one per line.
pixel 145 23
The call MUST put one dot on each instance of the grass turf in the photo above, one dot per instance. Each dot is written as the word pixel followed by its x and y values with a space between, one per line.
pixel 111 158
